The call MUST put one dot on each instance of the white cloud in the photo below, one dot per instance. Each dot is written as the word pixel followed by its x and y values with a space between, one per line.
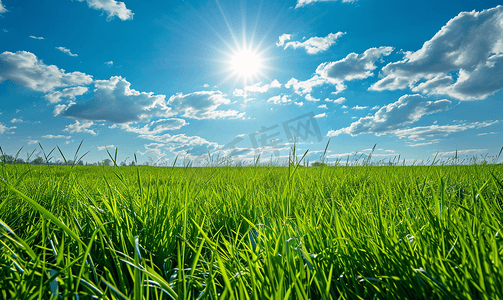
pixel 282 38
pixel 112 8
pixel 463 60
pixel 80 127
pixel 25 69
pixel 256 88
pixel 375 107
pixel 340 100
pixel 202 105
pixel 68 93
pixel 352 67
pixel 36 37
pixel 156 127
pixel 65 50
pixel 179 144
pixel 357 107
pixel 101 148
pixel 110 63
pixel 279 99
pixel 299 103
pixel 206 85
pixel 5 129
pixel 424 143
pixel 60 136
pixel 320 116
pixel 116 102
pixel 461 152
pixel 408 109
pixel 423 132
pixel 311 98
pixel 323 106
pixel 301 3
pixel 16 120
pixel 305 87
pixel 2 8
pixel 312 45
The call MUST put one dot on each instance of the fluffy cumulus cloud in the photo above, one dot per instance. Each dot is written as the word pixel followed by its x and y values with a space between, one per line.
pixel 279 99
pixel 67 51
pixel 305 87
pixel 353 66
pixel 301 3
pixel 463 60
pixel 112 8
pixel 80 127
pixel 312 45
pixel 116 102
pixel 2 8
pixel 25 69
pixel 408 109
pixel 202 105
pixel 68 93
pixel 5 129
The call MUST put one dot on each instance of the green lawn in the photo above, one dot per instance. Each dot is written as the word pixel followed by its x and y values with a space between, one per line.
pixel 394 232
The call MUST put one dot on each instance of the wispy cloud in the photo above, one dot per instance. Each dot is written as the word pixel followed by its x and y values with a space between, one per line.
pixel 110 63
pixel 462 152
pixel 112 8
pixel 313 45
pixel 60 136
pixel 36 37
pixel 320 115
pixel 65 50
pixel 422 133
pixel 301 3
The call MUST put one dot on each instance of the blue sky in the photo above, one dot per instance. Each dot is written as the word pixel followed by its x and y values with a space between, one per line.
pixel 162 79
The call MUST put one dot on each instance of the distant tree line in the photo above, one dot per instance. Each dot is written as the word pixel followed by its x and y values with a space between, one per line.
pixel 9 159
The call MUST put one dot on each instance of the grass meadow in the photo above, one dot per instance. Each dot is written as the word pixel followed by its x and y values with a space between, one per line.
pixel 251 232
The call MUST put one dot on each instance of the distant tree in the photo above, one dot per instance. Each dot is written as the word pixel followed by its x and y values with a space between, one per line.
pixel 107 162
pixel 123 164
pixel 318 164
pixel 132 163
pixel 8 159
pixel 19 161
pixel 80 163
pixel 69 162
pixel 37 161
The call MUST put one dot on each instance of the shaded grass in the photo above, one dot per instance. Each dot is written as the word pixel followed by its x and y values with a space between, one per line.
pixel 423 232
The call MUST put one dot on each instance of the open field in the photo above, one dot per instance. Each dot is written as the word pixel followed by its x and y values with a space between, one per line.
pixel 423 232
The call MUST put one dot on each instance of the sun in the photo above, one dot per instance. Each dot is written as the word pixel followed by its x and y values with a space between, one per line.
pixel 246 63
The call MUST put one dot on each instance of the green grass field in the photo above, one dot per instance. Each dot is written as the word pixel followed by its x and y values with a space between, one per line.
pixel 366 232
